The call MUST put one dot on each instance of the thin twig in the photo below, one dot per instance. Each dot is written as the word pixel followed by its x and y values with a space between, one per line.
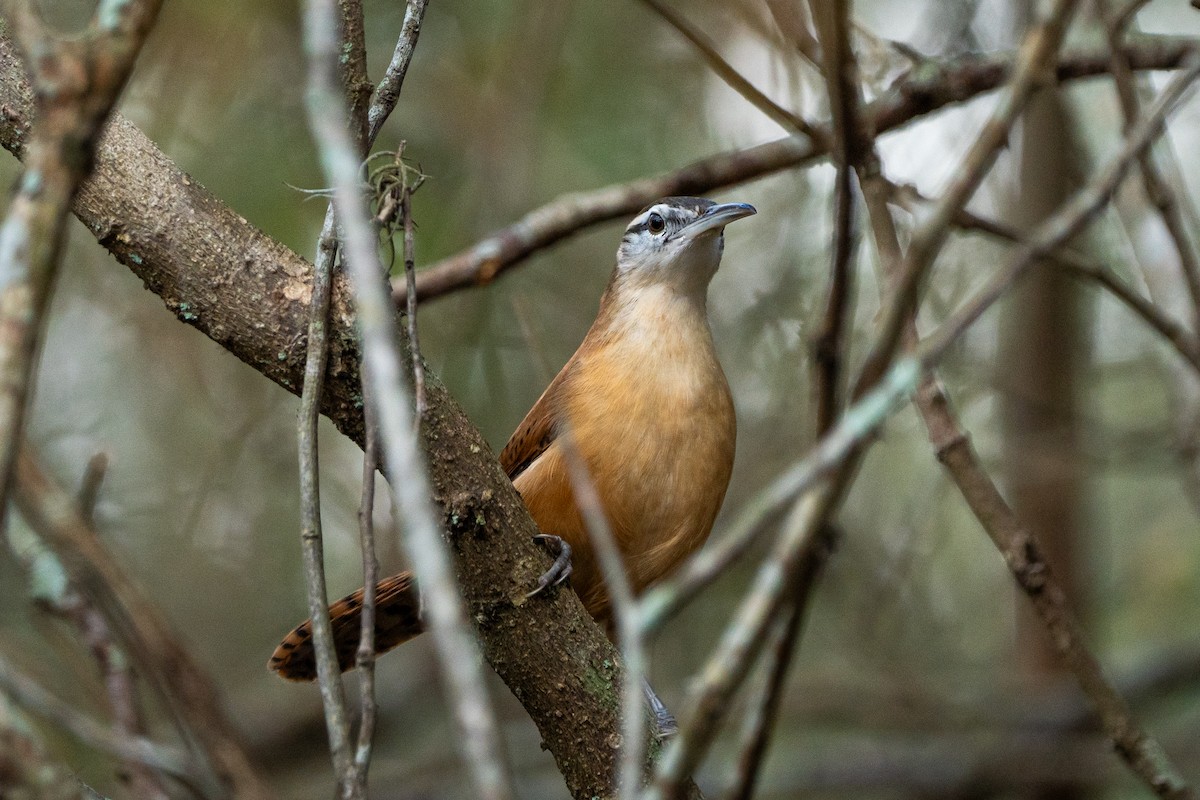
pixel 115 665
pixel 27 767
pixel 788 120
pixel 186 692
pixel 841 80
pixel 1016 543
pixel 31 696
pixel 1024 558
pixel 1158 190
pixel 387 93
pixel 350 767
pixel 61 597
pixel 1073 216
pixel 761 720
pixel 443 605
pixel 352 70
pixel 78 81
pixel 796 558
pixel 365 656
pixel 353 64
pixel 329 678
pixel 858 424
pixel 1032 68
pixel 1075 263
pixel 116 670
pixel 625 612
pixel 383 103
pixel 89 486
pixel 410 274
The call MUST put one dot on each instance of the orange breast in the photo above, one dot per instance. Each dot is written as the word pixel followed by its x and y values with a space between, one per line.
pixel 652 417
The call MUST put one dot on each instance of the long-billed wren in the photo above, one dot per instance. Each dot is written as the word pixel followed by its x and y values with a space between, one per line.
pixel 649 412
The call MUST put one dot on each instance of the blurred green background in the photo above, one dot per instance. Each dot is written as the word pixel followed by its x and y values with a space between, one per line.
pixel 911 677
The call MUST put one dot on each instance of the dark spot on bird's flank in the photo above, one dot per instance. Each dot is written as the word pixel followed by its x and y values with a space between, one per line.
pixel 289 645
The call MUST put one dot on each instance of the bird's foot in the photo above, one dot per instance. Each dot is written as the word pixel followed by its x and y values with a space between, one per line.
pixel 665 724
pixel 560 570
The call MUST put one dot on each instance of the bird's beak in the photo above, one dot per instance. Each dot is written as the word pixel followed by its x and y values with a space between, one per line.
pixel 715 218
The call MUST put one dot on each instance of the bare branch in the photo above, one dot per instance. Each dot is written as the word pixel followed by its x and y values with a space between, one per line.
pixel 221 275
pixel 796 558
pixel 1016 543
pixel 356 87
pixel 1028 565
pixel 1033 66
pixel 1077 264
pixel 410 276
pixel 841 80
pixel 365 656
pixel 353 67
pixel 764 711
pixel 387 93
pixel 31 696
pixel 1074 215
pixel 442 604
pixel 625 610
pixel 27 769
pixel 89 486
pixel 78 83
pixel 187 693
pixel 1158 190
pixel 116 671
pixel 863 418
pixel 787 119
pixel 351 769
pixel 329 676
pixel 919 93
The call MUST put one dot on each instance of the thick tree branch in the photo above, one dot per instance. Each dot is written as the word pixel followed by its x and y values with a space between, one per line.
pixel 249 293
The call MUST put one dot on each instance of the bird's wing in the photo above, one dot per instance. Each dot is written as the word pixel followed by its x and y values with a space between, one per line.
pixel 538 430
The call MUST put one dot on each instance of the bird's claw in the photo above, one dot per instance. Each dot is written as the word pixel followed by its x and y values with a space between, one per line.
pixel 560 570
pixel 665 725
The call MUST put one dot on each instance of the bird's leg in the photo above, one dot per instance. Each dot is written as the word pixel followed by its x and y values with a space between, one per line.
pixel 667 727
pixel 560 570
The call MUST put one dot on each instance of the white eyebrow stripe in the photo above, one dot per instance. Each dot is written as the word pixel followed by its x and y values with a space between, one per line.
pixel 640 218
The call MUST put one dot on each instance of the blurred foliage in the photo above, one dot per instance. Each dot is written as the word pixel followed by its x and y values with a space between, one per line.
pixel 506 106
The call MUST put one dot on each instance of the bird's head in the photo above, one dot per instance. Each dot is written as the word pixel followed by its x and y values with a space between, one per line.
pixel 676 242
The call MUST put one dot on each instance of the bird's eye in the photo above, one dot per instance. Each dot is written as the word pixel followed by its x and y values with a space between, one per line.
pixel 655 223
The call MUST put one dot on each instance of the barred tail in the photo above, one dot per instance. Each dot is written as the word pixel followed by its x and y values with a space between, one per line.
pixel 397 619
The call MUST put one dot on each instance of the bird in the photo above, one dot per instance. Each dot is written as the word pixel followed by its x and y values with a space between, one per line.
pixel 646 408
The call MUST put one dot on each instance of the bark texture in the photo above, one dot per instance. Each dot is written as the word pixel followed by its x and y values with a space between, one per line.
pixel 221 275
